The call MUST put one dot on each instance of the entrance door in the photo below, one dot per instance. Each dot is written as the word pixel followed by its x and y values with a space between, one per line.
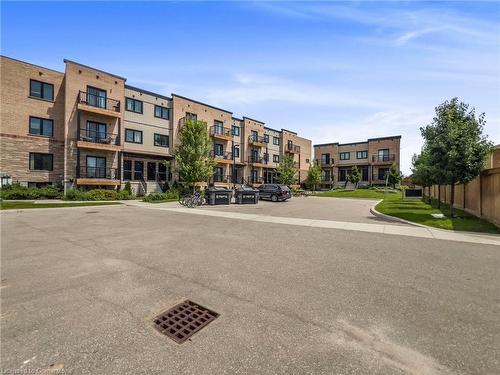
pixel 151 172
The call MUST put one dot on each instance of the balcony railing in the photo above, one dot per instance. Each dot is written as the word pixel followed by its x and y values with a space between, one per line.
pixel 326 162
pixel 96 136
pixel 383 158
pixel 222 178
pixel 255 180
pixel 257 160
pixel 224 156
pixel 97 172
pixel 99 101
pixel 295 149
pixel 256 139
pixel 220 131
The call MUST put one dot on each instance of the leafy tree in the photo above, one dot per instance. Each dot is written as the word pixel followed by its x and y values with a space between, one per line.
pixel 314 175
pixel 422 173
pixel 286 171
pixel 456 144
pixel 192 154
pixel 355 176
pixel 395 175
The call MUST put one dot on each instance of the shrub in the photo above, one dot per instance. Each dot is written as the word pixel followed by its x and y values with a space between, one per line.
pixel 100 195
pixel 124 195
pixel 74 195
pixel 16 191
pixel 154 197
pixel 128 188
pixel 50 192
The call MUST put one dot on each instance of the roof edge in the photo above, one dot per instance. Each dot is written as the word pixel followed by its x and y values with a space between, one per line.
pixel 90 67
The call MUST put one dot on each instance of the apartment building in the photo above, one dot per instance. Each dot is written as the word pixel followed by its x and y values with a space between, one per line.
pixel 86 128
pixel 372 157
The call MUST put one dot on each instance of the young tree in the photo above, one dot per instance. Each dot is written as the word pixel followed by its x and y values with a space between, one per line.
pixel 395 175
pixel 314 175
pixel 286 171
pixel 422 173
pixel 355 176
pixel 456 144
pixel 192 155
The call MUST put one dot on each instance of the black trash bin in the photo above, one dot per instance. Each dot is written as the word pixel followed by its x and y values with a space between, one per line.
pixel 246 195
pixel 216 196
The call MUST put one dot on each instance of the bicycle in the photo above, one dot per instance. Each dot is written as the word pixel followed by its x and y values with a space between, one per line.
pixel 192 200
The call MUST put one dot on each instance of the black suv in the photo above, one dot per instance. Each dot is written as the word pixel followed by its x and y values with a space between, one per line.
pixel 274 192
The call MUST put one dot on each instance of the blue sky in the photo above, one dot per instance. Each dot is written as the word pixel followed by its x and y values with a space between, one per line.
pixel 333 71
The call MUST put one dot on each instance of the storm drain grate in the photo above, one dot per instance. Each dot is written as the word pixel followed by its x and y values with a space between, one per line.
pixel 184 320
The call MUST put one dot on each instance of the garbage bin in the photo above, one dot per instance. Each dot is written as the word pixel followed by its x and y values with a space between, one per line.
pixel 246 195
pixel 218 196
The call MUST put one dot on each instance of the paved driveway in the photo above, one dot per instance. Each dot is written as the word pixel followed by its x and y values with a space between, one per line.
pixel 80 287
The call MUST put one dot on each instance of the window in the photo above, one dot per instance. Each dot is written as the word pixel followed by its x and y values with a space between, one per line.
pixel 236 151
pixel 41 90
pixel 133 105
pixel 255 156
pixel 218 127
pixel 276 158
pixel 162 171
pixel 382 173
pixel 325 158
pixel 345 155
pixel 276 141
pixel 96 97
pixel 138 170
pixel 255 135
pixel 127 170
pixel 236 131
pixel 218 174
pixel 343 174
pixel 96 167
pixel 161 140
pixel 41 126
pixel 266 138
pixel 219 149
pixel 41 162
pixel 364 174
pixel 362 155
pixel 96 131
pixel 383 155
pixel 133 136
pixel 163 112
pixel 266 157
pixel 290 144
pixel 326 175
pixel 191 116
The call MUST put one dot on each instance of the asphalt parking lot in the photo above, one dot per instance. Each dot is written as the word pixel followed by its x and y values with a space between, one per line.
pixel 81 286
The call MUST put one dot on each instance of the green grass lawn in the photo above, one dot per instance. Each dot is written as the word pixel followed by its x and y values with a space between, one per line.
pixel 165 200
pixel 30 204
pixel 417 211
pixel 358 193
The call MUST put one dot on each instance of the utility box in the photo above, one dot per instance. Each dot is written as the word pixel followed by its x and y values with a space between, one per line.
pixel 246 195
pixel 216 196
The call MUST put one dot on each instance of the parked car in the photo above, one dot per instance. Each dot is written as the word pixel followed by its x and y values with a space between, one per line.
pixel 274 192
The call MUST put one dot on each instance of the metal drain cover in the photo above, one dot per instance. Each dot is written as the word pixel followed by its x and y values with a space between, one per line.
pixel 184 320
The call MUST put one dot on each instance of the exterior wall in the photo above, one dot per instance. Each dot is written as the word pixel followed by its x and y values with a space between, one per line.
pixel 78 77
pixel 375 144
pixel 147 122
pixel 15 110
pixel 250 125
pixel 302 159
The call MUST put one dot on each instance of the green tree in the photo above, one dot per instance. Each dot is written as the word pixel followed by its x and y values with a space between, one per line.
pixel 422 173
pixel 314 175
pixel 456 144
pixel 286 171
pixel 355 176
pixel 192 154
pixel 395 175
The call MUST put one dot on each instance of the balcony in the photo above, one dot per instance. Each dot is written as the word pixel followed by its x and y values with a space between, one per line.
pixel 86 175
pixel 257 141
pixel 255 180
pixel 225 158
pixel 257 161
pixel 98 104
pixel 292 149
pixel 98 140
pixel 219 132
pixel 326 162
pixel 383 159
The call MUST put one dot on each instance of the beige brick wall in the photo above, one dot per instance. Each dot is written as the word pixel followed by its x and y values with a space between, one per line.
pixel 16 108
pixel 304 158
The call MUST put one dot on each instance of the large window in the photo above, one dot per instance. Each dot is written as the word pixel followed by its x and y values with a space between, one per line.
pixel 255 135
pixel 326 175
pixel 138 170
pixel 236 131
pixel 96 97
pixel 364 173
pixel 191 116
pixel 236 151
pixel 162 112
pixel 362 155
pixel 343 173
pixel 133 136
pixel 161 140
pixel 383 154
pixel 41 162
pixel 218 127
pixel 133 105
pixel 219 149
pixel 96 131
pixel 276 141
pixel 41 90
pixel 345 155
pixel 127 170
pixel 276 158
pixel 162 171
pixel 266 157
pixel 382 172
pixel 96 167
pixel 41 126
pixel 325 158
pixel 266 138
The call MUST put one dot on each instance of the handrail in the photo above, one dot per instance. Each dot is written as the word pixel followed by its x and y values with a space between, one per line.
pixel 389 157
pixel 226 155
pixel 86 171
pixel 220 130
pixel 258 138
pixel 259 160
pixel 98 101
pixel 96 136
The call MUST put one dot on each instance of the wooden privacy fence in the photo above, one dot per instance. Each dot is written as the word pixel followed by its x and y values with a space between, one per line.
pixel 480 197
